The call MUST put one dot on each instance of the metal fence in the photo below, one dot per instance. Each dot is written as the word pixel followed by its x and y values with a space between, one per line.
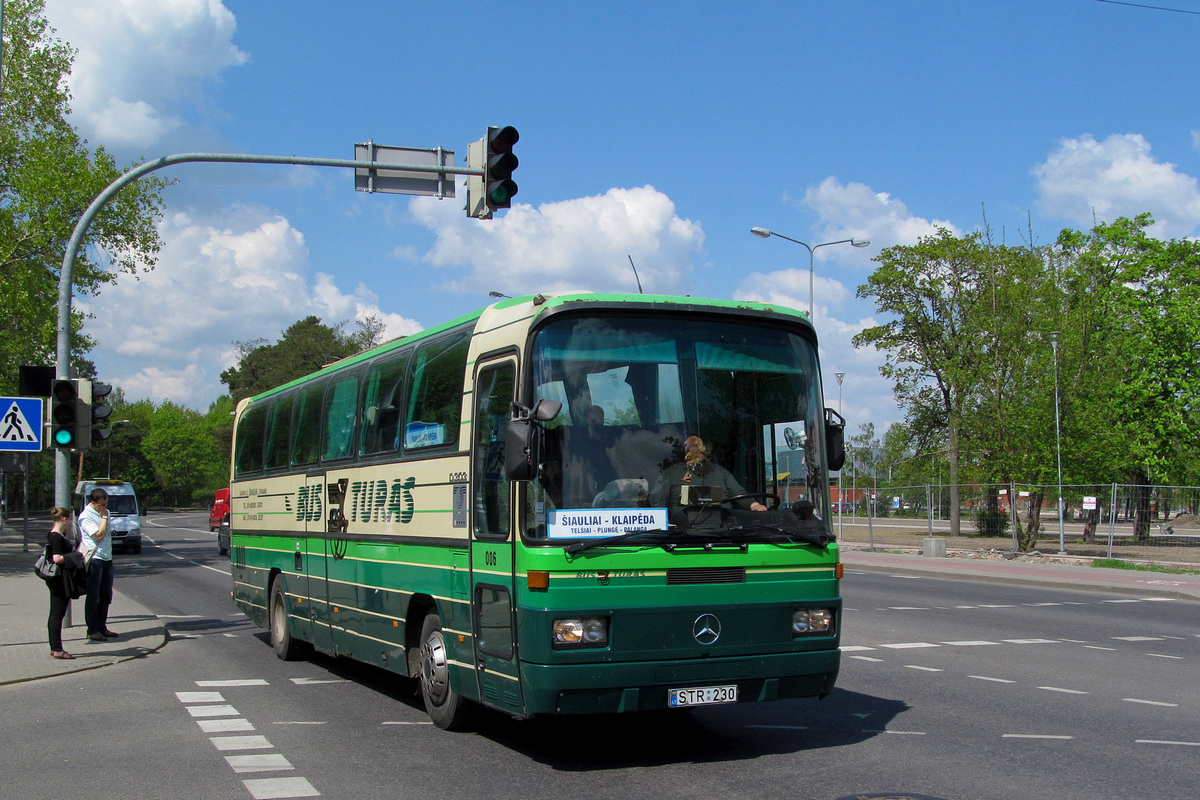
pixel 1128 522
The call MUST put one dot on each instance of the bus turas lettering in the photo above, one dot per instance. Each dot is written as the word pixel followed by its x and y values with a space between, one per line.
pixel 380 501
pixel 370 501
pixel 308 504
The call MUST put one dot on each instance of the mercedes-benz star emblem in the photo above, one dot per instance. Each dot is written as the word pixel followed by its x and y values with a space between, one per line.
pixel 706 629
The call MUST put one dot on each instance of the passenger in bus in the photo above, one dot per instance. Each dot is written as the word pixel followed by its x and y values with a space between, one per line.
pixel 698 469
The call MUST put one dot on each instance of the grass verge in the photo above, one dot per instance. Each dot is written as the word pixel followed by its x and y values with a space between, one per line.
pixel 1116 563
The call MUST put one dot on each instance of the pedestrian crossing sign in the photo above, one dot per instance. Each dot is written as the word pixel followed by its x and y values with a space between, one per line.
pixel 21 424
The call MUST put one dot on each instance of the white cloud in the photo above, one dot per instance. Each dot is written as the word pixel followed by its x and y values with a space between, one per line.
pixel 855 210
pixel 585 243
pixel 141 64
pixel 845 211
pixel 1086 181
pixel 169 334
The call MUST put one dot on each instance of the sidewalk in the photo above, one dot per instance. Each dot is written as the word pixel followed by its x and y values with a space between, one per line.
pixel 25 604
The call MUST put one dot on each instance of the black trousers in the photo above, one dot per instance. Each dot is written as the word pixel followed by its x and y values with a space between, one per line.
pixel 59 603
pixel 99 595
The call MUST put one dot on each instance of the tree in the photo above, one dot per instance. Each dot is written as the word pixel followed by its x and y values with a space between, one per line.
pixel 304 348
pixel 936 291
pixel 1139 386
pixel 47 179
pixel 183 455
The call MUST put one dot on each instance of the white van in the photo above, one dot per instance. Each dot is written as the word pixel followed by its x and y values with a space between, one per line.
pixel 124 514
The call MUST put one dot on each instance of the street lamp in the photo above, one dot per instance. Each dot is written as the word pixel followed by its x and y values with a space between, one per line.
pixel 1058 443
pixel 764 233
pixel 839 376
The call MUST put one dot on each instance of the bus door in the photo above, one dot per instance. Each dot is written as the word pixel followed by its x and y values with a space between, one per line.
pixel 492 541
pixel 314 566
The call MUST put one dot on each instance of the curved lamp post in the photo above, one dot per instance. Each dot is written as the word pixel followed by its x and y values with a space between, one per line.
pixel 764 233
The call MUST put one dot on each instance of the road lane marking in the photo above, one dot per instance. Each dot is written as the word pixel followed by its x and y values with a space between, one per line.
pixel 907 645
pixel 1035 736
pixel 259 762
pixel 278 788
pixel 240 742
pixel 986 678
pixel 200 697
pixel 225 725
pixel 1160 741
pixel 236 682
pixel 923 669
pixel 1060 689
pixel 213 711
pixel 1150 702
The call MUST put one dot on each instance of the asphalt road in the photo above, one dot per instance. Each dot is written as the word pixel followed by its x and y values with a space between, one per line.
pixel 964 691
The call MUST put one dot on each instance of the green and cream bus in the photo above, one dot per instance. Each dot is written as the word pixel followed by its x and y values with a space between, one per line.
pixel 588 503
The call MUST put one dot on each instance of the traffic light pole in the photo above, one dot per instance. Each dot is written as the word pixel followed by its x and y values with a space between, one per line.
pixel 62 465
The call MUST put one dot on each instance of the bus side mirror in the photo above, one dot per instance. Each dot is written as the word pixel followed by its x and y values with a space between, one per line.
pixel 522 440
pixel 835 440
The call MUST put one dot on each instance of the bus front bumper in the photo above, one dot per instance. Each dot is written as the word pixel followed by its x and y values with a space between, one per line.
pixel 645 686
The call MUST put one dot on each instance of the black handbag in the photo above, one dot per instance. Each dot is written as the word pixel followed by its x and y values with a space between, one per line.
pixel 45 568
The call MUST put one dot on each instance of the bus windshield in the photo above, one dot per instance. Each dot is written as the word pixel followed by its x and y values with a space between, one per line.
pixel 680 422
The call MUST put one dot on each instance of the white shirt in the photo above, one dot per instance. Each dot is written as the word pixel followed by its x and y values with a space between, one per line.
pixel 89 524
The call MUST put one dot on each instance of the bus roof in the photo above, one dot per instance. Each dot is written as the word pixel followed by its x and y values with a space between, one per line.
pixel 546 303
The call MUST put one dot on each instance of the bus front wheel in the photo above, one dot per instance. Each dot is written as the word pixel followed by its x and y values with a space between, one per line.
pixel 286 646
pixel 446 707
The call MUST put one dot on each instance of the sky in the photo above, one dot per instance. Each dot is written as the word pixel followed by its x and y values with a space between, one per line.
pixel 658 132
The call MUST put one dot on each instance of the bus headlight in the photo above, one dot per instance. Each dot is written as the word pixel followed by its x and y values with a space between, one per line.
pixel 579 632
pixel 812 621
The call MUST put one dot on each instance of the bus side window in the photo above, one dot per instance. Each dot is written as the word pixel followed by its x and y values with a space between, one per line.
pixel 279 427
pixel 340 415
pixel 436 407
pixel 306 424
pixel 250 440
pixel 383 399
pixel 494 396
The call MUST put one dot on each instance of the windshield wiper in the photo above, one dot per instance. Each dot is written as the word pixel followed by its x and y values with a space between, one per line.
pixel 817 537
pixel 579 547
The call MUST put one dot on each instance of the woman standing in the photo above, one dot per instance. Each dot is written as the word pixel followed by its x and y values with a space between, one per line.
pixel 59 545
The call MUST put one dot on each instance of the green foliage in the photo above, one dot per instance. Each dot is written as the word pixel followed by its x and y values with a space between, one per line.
pixel 47 179
pixel 982 337
pixel 1115 563
pixel 991 522
pixel 183 455
pixel 305 347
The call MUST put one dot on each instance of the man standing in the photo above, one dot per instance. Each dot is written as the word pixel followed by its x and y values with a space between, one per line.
pixel 93 530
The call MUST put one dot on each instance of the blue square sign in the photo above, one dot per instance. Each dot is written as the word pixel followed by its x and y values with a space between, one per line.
pixel 21 424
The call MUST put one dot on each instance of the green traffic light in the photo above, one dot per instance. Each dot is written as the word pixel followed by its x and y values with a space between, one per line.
pixel 501 192
pixel 64 437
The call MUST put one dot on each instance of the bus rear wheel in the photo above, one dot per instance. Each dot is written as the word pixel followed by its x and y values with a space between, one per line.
pixel 446 707
pixel 286 646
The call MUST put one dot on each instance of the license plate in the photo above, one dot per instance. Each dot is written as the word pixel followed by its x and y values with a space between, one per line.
pixel 702 696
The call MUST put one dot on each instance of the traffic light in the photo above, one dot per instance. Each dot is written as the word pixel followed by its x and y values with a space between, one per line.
pixel 100 412
pixel 64 413
pixel 499 187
